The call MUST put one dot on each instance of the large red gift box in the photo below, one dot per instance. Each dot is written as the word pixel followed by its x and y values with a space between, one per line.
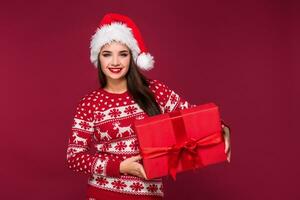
pixel 180 140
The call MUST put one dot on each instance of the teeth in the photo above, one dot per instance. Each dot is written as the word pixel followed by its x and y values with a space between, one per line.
pixel 115 69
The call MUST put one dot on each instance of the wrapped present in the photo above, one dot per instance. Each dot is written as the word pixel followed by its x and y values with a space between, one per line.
pixel 180 140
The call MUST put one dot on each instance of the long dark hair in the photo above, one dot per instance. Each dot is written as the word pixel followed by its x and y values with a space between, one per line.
pixel 138 88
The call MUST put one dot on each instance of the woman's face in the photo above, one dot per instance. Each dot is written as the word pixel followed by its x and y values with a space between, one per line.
pixel 115 60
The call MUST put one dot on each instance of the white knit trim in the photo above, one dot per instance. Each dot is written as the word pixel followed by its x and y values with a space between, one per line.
pixel 128 185
pixel 82 125
pixel 172 102
pixel 114 113
pixel 115 31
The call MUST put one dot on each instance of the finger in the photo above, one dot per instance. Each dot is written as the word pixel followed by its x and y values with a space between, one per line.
pixel 223 130
pixel 226 129
pixel 226 132
pixel 136 173
pixel 143 173
pixel 136 158
pixel 229 156
pixel 228 148
pixel 227 145
pixel 139 173
pixel 227 141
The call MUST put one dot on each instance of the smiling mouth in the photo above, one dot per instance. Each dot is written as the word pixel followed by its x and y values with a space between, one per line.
pixel 115 69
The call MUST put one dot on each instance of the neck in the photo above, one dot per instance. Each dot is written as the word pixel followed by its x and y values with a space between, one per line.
pixel 116 85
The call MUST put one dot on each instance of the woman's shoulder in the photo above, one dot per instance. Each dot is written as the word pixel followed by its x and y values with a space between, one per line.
pixel 86 105
pixel 159 89
pixel 89 96
pixel 157 84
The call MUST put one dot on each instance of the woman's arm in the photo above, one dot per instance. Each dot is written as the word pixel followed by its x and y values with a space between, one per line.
pixel 170 101
pixel 79 157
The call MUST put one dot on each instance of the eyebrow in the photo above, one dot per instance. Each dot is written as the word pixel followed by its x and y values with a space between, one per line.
pixel 123 51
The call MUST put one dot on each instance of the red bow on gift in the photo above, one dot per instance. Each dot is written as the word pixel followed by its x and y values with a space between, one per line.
pixel 186 151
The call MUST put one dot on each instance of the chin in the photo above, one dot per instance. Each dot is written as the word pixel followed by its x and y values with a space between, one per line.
pixel 116 77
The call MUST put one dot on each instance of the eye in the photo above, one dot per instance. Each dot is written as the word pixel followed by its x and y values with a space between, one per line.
pixel 105 55
pixel 124 54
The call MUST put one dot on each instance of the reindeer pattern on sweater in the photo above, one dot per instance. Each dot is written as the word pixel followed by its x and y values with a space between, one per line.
pixel 105 121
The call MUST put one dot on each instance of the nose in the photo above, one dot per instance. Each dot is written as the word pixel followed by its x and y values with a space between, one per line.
pixel 115 61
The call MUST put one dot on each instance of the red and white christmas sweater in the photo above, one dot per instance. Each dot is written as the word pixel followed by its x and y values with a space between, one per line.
pixel 105 120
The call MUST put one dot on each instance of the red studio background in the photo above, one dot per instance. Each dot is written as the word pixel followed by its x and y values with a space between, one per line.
pixel 241 55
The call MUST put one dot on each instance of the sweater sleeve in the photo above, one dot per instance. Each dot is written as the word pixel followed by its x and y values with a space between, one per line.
pixel 169 100
pixel 79 156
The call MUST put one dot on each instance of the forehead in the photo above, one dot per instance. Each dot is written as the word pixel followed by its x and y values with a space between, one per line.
pixel 114 45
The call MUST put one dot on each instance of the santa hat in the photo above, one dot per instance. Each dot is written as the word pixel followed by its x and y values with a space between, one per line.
pixel 121 28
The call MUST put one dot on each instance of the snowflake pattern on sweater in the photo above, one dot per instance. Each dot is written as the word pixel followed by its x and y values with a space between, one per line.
pixel 105 120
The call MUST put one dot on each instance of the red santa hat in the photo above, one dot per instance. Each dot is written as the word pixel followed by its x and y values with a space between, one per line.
pixel 122 29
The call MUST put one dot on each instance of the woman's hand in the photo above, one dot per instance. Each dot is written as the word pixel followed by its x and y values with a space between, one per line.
pixel 131 166
pixel 226 135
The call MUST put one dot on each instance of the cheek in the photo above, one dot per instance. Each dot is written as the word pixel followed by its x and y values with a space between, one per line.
pixel 126 62
pixel 104 61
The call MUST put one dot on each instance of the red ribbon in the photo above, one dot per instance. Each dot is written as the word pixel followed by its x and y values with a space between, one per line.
pixel 186 149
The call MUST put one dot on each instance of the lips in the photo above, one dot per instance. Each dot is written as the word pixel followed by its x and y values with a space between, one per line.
pixel 115 69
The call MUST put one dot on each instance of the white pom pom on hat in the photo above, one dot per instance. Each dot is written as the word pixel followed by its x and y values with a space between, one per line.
pixel 117 27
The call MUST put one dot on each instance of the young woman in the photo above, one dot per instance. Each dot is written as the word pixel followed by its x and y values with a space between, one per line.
pixel 104 117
